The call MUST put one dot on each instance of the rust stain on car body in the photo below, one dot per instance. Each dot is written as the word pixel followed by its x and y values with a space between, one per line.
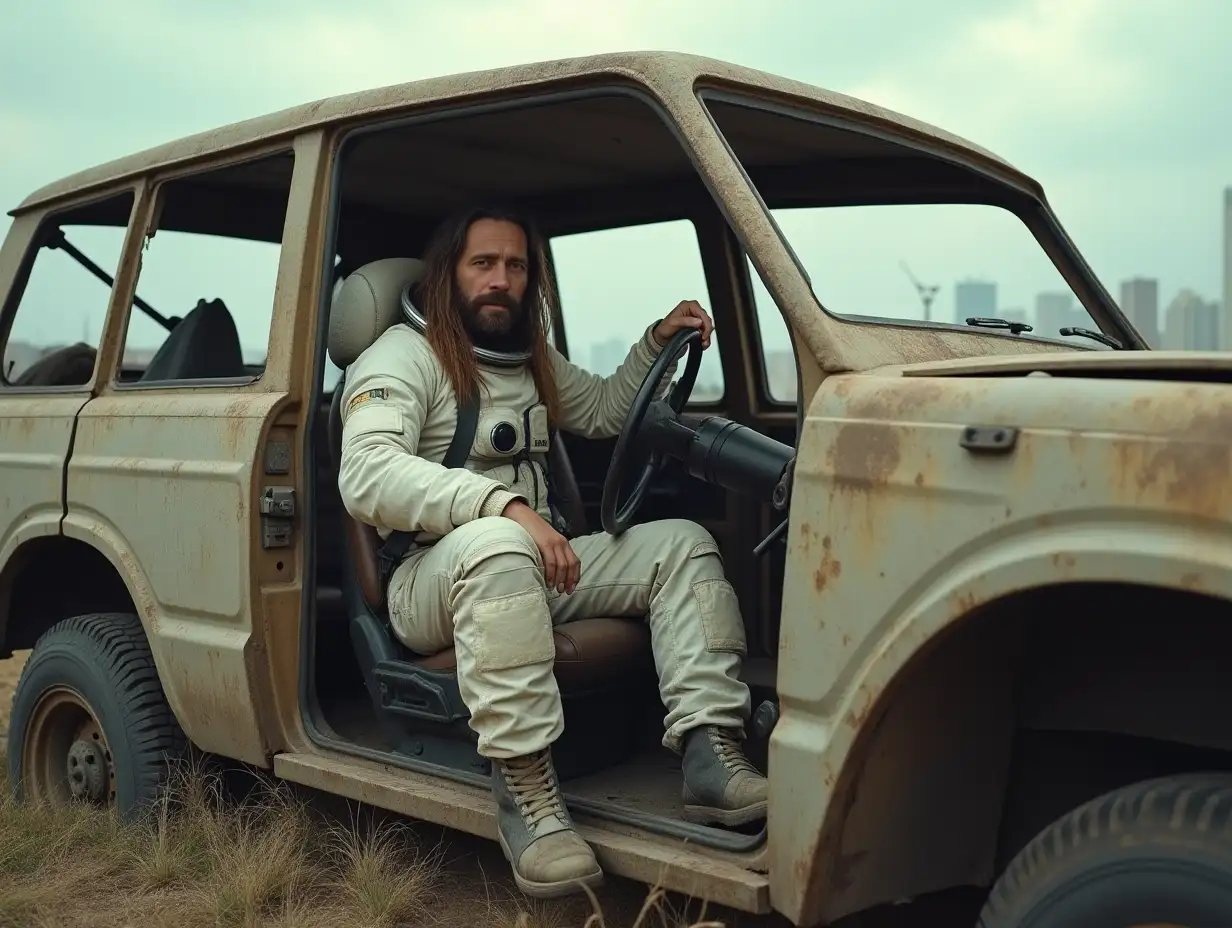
pixel 865 455
pixel 829 568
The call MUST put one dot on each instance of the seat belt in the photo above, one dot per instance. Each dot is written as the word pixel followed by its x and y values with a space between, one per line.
pixel 562 524
pixel 399 543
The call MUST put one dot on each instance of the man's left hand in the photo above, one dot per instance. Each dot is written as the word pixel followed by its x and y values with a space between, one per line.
pixel 688 314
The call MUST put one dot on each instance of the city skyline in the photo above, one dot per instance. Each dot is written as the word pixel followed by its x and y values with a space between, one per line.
pixel 1188 321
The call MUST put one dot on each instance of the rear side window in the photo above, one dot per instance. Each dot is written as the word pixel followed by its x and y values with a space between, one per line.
pixel 55 316
pixel 211 260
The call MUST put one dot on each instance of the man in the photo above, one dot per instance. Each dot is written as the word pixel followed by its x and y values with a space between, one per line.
pixel 492 572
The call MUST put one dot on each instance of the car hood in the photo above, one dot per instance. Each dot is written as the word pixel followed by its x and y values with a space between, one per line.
pixel 1211 366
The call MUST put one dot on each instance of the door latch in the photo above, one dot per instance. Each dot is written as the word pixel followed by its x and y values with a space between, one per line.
pixel 277 509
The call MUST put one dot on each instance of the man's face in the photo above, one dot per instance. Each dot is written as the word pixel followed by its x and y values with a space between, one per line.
pixel 492 275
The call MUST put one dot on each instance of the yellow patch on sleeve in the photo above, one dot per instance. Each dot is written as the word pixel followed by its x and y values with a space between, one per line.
pixel 378 393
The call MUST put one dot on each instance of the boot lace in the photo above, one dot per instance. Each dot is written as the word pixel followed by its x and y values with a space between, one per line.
pixel 533 784
pixel 727 747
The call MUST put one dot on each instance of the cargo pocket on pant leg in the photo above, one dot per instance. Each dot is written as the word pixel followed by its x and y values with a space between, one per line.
pixel 718 607
pixel 512 631
pixel 720 616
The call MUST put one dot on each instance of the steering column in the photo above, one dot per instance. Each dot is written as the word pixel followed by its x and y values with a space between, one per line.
pixel 717 450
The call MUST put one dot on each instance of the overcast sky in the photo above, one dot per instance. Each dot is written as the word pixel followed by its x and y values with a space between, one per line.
pixel 1119 107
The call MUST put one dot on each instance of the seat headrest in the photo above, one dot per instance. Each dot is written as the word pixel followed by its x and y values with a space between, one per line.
pixel 367 303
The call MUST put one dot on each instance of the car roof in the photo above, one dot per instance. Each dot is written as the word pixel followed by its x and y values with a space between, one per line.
pixel 661 72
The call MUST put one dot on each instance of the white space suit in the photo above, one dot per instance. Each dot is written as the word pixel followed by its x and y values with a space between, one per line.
pixel 477 581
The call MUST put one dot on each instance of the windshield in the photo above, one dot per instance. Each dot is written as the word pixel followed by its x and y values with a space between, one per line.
pixel 844 204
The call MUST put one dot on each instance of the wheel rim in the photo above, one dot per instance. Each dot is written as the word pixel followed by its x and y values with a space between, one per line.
pixel 66 757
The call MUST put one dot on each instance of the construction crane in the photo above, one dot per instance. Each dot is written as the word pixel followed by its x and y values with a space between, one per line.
pixel 928 293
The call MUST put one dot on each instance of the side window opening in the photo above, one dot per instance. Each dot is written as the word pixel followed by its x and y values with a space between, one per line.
pixel 604 313
pixel 778 359
pixel 208 273
pixel 60 310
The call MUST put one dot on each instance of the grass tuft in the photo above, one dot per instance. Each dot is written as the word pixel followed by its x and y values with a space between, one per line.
pixel 202 857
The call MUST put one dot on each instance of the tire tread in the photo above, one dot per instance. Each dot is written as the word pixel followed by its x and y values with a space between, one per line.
pixel 1166 804
pixel 117 643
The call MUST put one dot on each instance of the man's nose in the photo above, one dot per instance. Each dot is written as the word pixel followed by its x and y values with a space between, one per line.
pixel 498 279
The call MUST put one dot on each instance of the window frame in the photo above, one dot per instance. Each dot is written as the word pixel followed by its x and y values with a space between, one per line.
pixel 156 197
pixel 11 307
pixel 748 281
pixel 1019 200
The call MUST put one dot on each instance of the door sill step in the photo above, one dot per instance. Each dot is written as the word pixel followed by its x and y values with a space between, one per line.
pixel 650 859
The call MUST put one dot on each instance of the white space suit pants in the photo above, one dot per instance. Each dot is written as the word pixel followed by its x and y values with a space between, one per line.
pixel 481 588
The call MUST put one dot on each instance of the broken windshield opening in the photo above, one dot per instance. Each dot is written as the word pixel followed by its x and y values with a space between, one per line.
pixel 887 233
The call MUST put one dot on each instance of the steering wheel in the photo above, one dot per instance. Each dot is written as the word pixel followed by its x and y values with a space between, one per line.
pixel 615 521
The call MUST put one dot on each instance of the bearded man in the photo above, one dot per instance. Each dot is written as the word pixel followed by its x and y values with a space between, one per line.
pixel 492 570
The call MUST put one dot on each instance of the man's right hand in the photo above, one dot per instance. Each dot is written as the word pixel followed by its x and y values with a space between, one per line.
pixel 561 567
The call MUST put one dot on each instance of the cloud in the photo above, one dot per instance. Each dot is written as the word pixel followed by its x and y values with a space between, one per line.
pixel 1003 74
pixel 127 74
pixel 1056 81
pixel 25 140
pixel 1112 104
pixel 301 50
pixel 1115 105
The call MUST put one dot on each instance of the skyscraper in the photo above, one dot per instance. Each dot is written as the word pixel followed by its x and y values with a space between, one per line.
pixel 607 355
pixel 1013 314
pixel 1225 314
pixel 1055 309
pixel 1191 323
pixel 974 298
pixel 1140 302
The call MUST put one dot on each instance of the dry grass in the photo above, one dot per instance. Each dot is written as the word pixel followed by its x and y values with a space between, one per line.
pixel 203 857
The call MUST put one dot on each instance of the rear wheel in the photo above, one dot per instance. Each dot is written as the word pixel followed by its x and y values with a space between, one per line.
pixel 90 722
pixel 1150 855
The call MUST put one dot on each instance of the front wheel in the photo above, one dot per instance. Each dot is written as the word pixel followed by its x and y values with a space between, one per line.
pixel 1157 853
pixel 90 721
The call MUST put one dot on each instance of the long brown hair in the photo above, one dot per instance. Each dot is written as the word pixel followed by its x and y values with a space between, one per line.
pixel 437 297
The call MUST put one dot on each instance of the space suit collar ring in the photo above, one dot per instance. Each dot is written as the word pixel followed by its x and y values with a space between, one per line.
pixel 415 319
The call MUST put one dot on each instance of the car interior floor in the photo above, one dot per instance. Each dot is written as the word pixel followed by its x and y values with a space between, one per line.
pixel 648 781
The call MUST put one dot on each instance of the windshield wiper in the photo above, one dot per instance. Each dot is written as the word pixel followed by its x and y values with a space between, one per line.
pixel 58 240
pixel 1091 333
pixel 989 322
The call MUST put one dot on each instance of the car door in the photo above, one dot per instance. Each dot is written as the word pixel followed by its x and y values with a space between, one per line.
pixel 172 456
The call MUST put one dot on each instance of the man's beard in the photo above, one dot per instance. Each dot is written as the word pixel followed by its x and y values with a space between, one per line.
pixel 504 332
